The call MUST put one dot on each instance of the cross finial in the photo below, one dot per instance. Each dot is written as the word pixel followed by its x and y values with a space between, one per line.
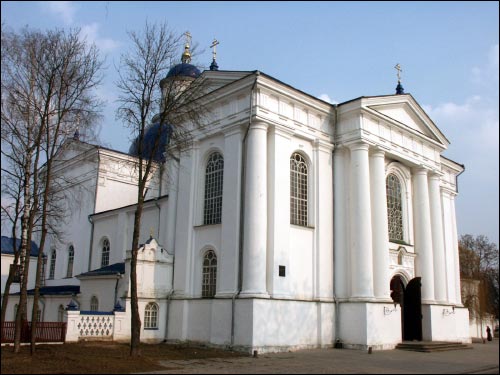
pixel 186 56
pixel 151 231
pixel 398 68
pixel 187 34
pixel 214 44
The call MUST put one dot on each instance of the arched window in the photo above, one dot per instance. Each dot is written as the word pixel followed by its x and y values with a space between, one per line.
pixel 94 304
pixel 39 314
pixel 52 270
pixel 44 266
pixel 214 176
pixel 105 253
pixel 298 190
pixel 151 315
pixel 394 208
pixel 60 313
pixel 71 257
pixel 208 287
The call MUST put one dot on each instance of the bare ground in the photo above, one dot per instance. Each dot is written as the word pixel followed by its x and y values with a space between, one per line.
pixel 100 358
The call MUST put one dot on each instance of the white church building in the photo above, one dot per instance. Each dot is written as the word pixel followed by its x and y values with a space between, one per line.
pixel 289 223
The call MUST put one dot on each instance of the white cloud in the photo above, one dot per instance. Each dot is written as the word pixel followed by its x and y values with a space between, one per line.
pixel 472 127
pixel 485 74
pixel 327 98
pixel 64 9
pixel 91 34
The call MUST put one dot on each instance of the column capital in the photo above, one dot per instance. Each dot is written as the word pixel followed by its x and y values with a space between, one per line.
pixel 435 174
pixel 259 125
pixel 358 146
pixel 321 145
pixel 420 170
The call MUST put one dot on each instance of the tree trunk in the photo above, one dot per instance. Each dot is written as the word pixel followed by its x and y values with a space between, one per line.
pixel 134 303
pixel 24 258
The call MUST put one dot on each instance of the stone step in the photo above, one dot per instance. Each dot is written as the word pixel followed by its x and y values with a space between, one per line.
pixel 431 346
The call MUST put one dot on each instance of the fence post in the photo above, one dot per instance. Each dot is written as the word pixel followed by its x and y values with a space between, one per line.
pixel 72 331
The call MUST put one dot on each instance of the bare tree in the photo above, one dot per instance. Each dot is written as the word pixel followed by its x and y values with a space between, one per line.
pixel 479 269
pixel 174 111
pixel 48 82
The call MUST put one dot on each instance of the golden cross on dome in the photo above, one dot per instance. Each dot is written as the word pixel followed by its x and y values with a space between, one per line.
pixel 214 44
pixel 187 34
pixel 398 68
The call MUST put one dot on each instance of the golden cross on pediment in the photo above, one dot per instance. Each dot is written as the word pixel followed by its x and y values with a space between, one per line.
pixel 214 44
pixel 398 68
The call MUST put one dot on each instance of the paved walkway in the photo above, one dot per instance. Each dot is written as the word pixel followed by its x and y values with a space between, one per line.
pixel 481 359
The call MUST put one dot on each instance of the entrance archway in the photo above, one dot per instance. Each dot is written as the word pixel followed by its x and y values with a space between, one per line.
pixel 409 298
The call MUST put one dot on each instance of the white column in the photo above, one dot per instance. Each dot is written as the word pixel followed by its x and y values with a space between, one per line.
pixel 437 238
pixel 173 183
pixel 381 287
pixel 458 293
pixel 361 228
pixel 255 216
pixel 423 233
pixel 323 206
pixel 340 218
pixel 448 243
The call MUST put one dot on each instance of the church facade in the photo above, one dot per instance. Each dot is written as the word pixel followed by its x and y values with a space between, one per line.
pixel 289 223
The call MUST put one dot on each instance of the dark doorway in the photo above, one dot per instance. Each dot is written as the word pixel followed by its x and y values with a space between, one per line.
pixel 413 311
pixel 409 298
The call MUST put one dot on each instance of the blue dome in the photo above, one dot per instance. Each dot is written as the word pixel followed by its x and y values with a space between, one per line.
pixel 184 70
pixel 150 134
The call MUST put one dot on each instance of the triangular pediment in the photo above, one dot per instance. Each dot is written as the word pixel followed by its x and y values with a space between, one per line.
pixel 407 113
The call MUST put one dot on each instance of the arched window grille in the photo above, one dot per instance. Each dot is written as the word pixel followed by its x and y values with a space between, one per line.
pixel 44 266
pixel 394 207
pixel 214 177
pixel 298 189
pixel 151 315
pixel 52 269
pixel 39 314
pixel 60 313
pixel 71 257
pixel 105 253
pixel 94 304
pixel 208 288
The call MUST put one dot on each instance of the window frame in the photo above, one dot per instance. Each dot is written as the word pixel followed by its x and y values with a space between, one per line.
pixel 403 173
pixel 52 267
pixel 213 188
pixel 299 181
pixel 151 314
pixel 209 274
pixel 71 259
pixel 94 303
pixel 105 255
pixel 394 196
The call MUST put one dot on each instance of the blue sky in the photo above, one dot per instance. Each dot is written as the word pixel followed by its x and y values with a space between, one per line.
pixel 334 50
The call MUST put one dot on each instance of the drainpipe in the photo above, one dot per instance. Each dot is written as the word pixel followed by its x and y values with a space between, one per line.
pixel 91 240
pixel 242 208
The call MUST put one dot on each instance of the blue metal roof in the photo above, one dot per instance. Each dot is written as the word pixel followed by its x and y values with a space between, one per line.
pixel 184 70
pixel 57 290
pixel 150 135
pixel 112 269
pixel 7 247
